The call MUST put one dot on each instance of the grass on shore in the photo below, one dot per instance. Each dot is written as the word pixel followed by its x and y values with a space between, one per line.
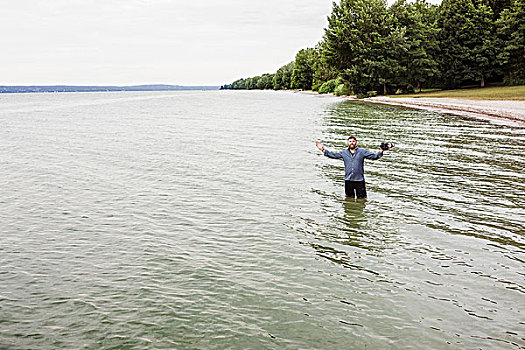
pixel 506 93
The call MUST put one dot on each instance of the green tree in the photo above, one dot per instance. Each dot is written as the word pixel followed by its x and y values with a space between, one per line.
pixel 248 83
pixel 302 74
pixel 511 31
pixel 498 6
pixel 467 40
pixel 261 83
pixel 328 87
pixel 283 77
pixel 453 54
pixel 417 55
pixel 388 65
pixel 482 43
pixel 356 43
pixel 239 84
pixel 269 81
pixel 322 70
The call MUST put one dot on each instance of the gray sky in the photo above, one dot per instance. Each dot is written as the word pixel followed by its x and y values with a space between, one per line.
pixel 124 42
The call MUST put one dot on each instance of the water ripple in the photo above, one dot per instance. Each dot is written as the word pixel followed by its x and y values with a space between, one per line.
pixel 209 220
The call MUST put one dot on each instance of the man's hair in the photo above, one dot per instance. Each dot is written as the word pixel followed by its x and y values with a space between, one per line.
pixel 352 137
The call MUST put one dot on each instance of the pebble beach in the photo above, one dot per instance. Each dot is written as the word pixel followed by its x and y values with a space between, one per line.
pixel 509 111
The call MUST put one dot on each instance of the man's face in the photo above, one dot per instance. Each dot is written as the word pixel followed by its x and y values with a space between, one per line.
pixel 352 143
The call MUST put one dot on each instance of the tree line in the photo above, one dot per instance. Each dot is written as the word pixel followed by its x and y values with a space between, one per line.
pixel 369 48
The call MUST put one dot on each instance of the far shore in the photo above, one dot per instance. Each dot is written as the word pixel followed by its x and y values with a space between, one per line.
pixel 508 111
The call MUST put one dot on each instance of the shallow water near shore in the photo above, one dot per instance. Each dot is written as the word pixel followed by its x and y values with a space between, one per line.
pixel 209 220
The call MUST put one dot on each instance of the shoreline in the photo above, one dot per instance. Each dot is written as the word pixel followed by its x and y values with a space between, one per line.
pixel 502 110
pixel 509 111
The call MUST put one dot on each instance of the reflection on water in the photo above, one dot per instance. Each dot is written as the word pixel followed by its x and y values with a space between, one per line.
pixel 354 209
pixel 353 220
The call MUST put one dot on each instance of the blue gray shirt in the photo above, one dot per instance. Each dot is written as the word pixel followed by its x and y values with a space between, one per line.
pixel 354 162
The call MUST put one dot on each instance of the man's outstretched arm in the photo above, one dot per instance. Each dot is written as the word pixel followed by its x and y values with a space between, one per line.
pixel 374 156
pixel 326 152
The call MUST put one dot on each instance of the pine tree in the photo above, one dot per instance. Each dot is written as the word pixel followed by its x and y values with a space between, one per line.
pixel 419 59
pixel 511 31
pixel 467 40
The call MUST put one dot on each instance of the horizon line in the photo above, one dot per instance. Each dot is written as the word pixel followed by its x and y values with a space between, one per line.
pixel 105 85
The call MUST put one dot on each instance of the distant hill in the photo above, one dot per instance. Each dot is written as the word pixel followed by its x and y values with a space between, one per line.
pixel 72 88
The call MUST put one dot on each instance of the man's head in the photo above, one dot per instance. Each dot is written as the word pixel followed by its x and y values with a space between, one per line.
pixel 352 142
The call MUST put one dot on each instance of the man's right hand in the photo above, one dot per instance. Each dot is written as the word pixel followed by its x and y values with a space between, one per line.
pixel 320 146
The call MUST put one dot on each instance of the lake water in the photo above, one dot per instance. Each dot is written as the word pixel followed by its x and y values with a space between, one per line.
pixel 209 220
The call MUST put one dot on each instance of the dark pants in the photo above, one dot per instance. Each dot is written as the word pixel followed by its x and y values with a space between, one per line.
pixel 355 189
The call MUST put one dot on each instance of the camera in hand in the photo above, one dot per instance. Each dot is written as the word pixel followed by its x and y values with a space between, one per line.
pixel 386 145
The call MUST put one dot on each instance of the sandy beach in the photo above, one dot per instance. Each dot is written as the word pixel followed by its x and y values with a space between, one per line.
pixel 510 111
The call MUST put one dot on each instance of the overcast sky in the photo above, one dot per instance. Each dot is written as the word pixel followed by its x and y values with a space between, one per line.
pixel 126 42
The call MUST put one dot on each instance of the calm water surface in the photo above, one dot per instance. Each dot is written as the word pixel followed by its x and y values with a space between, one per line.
pixel 209 220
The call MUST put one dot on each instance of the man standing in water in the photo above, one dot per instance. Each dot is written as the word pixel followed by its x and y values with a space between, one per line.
pixel 354 158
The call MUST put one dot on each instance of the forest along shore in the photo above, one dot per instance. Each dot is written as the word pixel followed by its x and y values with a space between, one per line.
pixel 513 111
